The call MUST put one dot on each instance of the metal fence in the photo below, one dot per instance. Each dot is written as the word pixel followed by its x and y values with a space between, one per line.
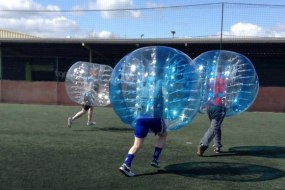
pixel 190 22
pixel 215 20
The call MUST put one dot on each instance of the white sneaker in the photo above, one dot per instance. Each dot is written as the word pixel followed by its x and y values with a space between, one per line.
pixel 126 170
pixel 217 150
pixel 69 122
pixel 91 123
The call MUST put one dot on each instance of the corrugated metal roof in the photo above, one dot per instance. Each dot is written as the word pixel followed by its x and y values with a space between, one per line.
pixel 33 39
pixel 14 35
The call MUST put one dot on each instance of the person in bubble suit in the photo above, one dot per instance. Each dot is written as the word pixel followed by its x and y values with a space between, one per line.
pixel 145 124
pixel 216 112
pixel 91 87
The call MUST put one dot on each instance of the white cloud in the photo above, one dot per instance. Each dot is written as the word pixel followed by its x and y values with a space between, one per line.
pixel 245 29
pixel 152 5
pixel 251 30
pixel 102 35
pixel 77 10
pixel 42 24
pixel 19 5
pixel 277 31
pixel 114 5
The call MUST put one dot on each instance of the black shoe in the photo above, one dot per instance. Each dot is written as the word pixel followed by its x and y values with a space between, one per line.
pixel 126 170
pixel 155 163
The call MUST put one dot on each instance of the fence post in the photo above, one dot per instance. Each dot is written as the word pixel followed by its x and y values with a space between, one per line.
pixel 222 23
pixel 57 81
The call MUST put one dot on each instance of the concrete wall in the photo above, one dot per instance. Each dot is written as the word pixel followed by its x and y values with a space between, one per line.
pixel 270 99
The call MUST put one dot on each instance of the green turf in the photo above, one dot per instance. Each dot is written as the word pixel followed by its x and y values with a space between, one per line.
pixel 38 152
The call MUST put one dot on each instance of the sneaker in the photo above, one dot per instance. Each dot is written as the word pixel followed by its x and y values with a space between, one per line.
pixel 69 122
pixel 201 150
pixel 155 163
pixel 91 123
pixel 126 170
pixel 217 150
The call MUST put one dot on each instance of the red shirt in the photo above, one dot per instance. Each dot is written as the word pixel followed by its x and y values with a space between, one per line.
pixel 219 87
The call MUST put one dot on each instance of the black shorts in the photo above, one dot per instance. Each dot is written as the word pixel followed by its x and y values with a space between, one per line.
pixel 86 107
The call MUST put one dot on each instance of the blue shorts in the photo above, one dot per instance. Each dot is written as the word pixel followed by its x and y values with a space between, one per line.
pixel 144 125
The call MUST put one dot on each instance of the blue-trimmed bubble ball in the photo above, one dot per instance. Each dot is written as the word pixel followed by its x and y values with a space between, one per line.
pixel 88 83
pixel 156 82
pixel 228 79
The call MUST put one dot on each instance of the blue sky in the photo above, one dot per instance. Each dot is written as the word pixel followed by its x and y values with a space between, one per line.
pixel 63 18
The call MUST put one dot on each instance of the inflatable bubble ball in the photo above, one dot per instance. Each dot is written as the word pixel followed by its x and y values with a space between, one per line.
pixel 88 83
pixel 228 79
pixel 156 82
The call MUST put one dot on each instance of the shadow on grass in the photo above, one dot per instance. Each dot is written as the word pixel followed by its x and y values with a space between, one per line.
pixel 108 129
pixel 259 151
pixel 161 171
pixel 117 129
pixel 225 171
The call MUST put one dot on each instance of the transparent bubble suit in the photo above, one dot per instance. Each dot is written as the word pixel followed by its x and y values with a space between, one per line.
pixel 156 82
pixel 237 75
pixel 88 83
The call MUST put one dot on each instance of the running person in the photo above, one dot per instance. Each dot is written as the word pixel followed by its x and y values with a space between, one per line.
pixel 148 121
pixel 91 87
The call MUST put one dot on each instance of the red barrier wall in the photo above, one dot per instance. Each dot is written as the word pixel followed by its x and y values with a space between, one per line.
pixel 62 97
pixel 270 99
pixel 0 90
pixel 29 92
pixel 25 92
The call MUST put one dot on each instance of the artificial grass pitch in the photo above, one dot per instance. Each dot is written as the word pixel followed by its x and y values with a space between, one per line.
pixel 38 151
